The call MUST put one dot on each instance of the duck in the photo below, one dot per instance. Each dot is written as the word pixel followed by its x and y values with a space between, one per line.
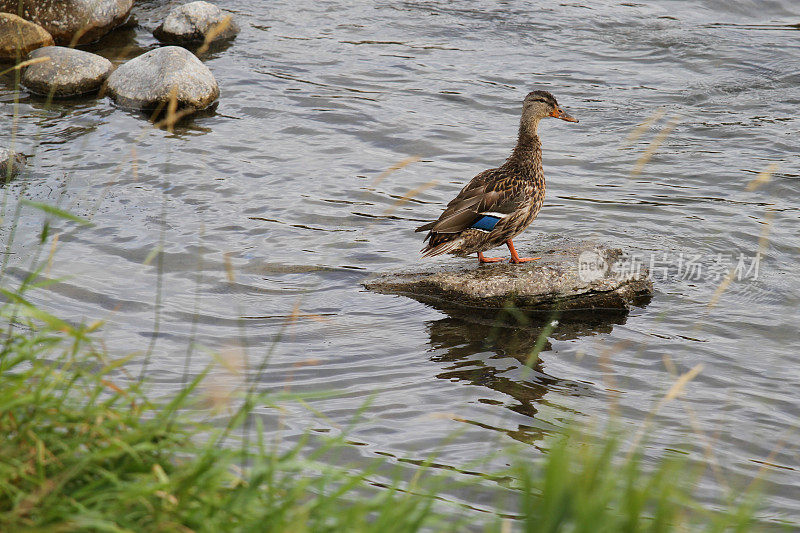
pixel 499 203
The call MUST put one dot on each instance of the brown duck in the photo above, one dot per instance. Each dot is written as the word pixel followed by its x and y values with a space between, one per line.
pixel 498 204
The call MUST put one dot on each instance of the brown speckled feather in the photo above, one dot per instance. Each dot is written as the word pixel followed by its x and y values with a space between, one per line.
pixel 515 189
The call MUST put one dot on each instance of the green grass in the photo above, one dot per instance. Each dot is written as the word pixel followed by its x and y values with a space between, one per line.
pixel 593 487
pixel 82 451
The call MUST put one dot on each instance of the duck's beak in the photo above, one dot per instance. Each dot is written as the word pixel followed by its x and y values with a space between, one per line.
pixel 563 115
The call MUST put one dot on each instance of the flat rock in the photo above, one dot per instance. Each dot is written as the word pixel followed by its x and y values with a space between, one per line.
pixel 68 72
pixel 585 277
pixel 19 36
pixel 72 21
pixel 11 164
pixel 194 22
pixel 150 80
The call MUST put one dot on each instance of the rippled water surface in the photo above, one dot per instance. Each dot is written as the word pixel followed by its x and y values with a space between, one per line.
pixel 319 98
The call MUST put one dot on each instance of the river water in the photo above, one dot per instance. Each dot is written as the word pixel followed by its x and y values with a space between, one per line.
pixel 273 209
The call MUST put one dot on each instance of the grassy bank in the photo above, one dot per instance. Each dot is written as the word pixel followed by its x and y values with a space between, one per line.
pixel 81 452
pixel 84 449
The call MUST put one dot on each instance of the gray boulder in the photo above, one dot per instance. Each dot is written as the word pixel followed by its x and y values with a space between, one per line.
pixel 150 80
pixel 584 277
pixel 194 22
pixel 72 21
pixel 18 37
pixel 69 72
pixel 11 164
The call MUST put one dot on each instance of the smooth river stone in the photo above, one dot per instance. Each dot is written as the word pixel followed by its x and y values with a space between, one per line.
pixel 17 162
pixel 18 37
pixel 148 81
pixel 68 21
pixel 69 72
pixel 192 23
pixel 584 277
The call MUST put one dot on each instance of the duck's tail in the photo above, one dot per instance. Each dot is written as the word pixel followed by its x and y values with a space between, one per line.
pixel 442 247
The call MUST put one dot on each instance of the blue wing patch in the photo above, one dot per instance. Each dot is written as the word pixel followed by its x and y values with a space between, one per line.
pixel 486 223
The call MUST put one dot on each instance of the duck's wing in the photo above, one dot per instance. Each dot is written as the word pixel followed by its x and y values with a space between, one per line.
pixel 488 198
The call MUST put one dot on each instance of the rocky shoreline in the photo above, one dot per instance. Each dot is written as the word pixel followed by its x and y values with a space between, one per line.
pixel 39 38
pixel 30 29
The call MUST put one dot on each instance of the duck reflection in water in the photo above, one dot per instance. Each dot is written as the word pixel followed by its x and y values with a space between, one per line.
pixel 510 358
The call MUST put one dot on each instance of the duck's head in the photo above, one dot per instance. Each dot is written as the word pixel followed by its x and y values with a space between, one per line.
pixel 541 104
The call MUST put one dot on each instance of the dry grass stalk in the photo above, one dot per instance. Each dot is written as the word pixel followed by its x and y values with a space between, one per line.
pixel 674 391
pixel 654 145
pixel 639 130
pixel 763 177
pixel 218 28
pixel 24 64
pixel 763 240
pixel 397 166
pixel 226 257
pixel 409 195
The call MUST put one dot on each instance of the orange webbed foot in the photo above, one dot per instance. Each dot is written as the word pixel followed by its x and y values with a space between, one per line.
pixel 523 259
pixel 482 259
pixel 515 258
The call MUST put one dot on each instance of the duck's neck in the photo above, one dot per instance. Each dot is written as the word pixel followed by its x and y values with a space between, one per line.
pixel 526 158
